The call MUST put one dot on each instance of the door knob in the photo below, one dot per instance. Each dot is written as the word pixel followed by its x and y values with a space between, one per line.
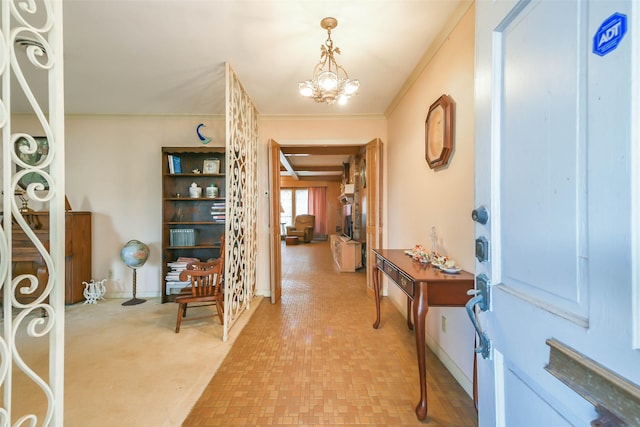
pixel 480 215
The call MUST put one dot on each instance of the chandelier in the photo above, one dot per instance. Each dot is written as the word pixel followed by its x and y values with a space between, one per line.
pixel 330 82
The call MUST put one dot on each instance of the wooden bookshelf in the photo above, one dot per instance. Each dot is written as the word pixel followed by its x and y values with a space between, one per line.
pixel 182 213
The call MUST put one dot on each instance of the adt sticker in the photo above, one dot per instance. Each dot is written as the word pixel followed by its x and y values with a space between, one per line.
pixel 610 33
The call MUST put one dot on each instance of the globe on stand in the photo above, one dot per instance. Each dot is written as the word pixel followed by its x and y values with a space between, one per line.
pixel 134 254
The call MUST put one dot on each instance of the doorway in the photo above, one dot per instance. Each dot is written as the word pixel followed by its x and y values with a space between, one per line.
pixel 352 172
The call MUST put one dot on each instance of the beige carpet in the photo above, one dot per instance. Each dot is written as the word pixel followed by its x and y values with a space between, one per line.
pixel 125 366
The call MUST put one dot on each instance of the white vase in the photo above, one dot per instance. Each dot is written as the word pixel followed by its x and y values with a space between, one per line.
pixel 195 191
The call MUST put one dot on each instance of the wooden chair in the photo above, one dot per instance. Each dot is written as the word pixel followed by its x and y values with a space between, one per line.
pixel 206 278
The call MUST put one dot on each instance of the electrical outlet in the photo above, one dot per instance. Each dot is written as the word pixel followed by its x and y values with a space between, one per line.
pixel 443 324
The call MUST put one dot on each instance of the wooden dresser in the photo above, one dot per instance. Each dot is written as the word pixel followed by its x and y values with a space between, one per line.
pixel 347 254
pixel 27 260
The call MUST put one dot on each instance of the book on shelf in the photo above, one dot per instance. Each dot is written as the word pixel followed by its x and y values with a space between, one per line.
pixel 182 237
pixel 177 165
pixel 187 260
pixel 172 281
pixel 181 263
pixel 219 211
pixel 177 266
pixel 175 287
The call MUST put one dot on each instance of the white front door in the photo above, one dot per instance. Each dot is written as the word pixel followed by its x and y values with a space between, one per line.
pixel 556 152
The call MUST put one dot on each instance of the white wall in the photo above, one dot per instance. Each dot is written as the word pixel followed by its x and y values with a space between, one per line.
pixel 420 198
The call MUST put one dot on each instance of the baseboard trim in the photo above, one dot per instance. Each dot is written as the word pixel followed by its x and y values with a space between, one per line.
pixel 129 295
pixel 451 366
pixel 119 295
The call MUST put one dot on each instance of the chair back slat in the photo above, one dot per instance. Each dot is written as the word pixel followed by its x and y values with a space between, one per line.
pixel 221 259
pixel 204 277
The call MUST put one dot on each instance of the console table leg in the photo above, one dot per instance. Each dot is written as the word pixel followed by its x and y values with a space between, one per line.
pixel 376 290
pixel 420 309
pixel 409 313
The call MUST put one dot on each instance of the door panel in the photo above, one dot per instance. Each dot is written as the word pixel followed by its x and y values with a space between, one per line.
pixel 518 388
pixel 274 222
pixel 552 148
pixel 374 205
pixel 542 155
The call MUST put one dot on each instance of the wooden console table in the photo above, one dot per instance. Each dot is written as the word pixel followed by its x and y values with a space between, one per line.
pixel 424 286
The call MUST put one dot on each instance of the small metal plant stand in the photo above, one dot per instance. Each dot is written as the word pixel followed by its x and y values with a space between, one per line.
pixel 93 291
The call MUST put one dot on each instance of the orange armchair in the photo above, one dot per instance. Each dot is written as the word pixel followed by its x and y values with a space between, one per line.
pixel 303 226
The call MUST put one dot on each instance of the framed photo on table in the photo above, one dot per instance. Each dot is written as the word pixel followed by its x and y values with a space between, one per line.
pixel 211 166
pixel 32 156
pixel 439 132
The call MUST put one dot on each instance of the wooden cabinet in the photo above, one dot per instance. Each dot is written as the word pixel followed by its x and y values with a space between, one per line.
pixel 77 254
pixel 191 226
pixel 27 260
pixel 347 254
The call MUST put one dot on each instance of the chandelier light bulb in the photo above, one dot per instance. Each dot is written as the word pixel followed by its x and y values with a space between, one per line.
pixel 351 87
pixel 306 89
pixel 330 81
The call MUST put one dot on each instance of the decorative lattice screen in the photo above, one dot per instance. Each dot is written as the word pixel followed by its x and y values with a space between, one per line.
pixel 32 173
pixel 242 145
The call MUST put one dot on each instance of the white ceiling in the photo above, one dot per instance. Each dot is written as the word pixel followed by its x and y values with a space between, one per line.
pixel 168 56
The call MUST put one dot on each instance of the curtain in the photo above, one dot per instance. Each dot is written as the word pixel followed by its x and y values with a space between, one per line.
pixel 318 207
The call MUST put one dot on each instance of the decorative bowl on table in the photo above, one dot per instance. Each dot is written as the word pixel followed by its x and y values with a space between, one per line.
pixel 451 270
pixel 418 253
pixel 438 260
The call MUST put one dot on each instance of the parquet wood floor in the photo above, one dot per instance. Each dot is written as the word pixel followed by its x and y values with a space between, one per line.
pixel 315 360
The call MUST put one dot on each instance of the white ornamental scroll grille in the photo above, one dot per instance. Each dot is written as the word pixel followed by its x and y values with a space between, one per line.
pixel 32 171
pixel 240 239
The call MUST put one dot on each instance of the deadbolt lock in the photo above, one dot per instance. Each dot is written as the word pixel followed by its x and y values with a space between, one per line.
pixel 482 249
